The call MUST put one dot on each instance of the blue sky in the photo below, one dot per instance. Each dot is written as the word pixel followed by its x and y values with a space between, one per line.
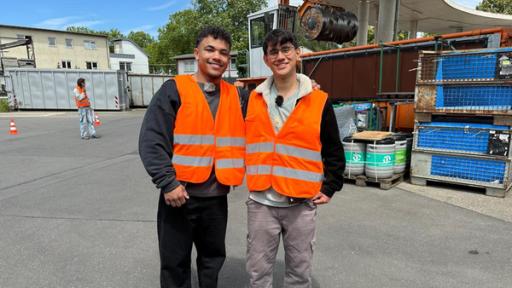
pixel 127 15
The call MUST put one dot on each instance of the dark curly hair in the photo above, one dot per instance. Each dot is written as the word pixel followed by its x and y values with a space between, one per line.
pixel 216 33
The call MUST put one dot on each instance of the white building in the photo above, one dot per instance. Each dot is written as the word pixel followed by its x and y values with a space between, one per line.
pixel 129 57
pixel 187 64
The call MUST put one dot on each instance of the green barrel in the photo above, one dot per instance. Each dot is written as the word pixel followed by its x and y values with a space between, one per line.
pixel 380 159
pixel 354 156
pixel 400 154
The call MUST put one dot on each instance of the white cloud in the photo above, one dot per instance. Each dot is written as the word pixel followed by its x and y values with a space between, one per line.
pixel 55 22
pixel 162 6
pixel 87 23
pixel 63 22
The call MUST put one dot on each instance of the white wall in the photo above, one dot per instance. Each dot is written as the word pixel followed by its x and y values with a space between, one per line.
pixel 140 64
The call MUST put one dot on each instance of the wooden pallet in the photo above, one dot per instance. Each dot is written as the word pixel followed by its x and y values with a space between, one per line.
pixel 384 184
pixel 371 135
pixel 489 191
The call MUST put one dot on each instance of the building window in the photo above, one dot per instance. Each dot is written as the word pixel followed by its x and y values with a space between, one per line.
pixel 89 44
pixel 190 66
pixel 52 41
pixel 259 28
pixel 125 66
pixel 65 64
pixel 91 65
pixel 69 43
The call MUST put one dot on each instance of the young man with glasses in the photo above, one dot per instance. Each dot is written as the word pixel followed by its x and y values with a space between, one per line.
pixel 294 162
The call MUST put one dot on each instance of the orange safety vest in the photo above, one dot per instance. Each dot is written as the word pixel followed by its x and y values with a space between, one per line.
pixel 85 101
pixel 200 141
pixel 291 161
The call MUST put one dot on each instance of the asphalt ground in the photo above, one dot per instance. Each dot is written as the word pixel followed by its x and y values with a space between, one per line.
pixel 76 213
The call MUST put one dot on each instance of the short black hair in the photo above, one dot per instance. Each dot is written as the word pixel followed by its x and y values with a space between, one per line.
pixel 216 33
pixel 279 37
pixel 80 81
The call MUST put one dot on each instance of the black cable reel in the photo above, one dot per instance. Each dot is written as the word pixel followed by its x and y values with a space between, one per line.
pixel 328 23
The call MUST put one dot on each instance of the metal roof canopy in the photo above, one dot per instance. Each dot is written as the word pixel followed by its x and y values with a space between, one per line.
pixel 433 16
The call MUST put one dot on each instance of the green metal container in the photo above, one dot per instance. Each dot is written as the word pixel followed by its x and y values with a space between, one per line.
pixel 355 154
pixel 380 159
pixel 400 154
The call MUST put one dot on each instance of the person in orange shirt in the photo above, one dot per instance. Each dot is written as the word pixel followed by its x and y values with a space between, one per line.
pixel 84 110
pixel 294 162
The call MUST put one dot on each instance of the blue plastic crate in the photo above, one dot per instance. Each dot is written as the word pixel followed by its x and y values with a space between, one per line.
pixel 492 171
pixel 464 137
pixel 469 66
pixel 474 97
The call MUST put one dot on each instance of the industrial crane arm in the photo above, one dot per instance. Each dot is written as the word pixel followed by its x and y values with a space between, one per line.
pixel 20 42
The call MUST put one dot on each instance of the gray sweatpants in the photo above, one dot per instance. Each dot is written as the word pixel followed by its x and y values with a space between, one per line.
pixel 265 225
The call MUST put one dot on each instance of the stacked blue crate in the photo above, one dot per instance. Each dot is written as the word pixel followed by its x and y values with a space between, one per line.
pixel 471 97
pixel 483 170
pixel 467 83
pixel 457 137
pixel 471 67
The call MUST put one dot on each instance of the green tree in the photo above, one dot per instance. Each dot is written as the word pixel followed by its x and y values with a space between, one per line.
pixel 141 38
pixel 81 29
pixel 175 38
pixel 241 63
pixel 114 33
pixel 496 6
pixel 178 36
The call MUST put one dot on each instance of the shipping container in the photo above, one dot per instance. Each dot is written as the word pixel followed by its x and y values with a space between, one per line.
pixel 52 89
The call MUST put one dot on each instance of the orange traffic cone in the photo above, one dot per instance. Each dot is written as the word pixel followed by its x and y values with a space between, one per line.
pixel 97 121
pixel 12 128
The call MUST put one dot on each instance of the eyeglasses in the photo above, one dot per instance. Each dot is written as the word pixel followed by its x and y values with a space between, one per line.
pixel 285 50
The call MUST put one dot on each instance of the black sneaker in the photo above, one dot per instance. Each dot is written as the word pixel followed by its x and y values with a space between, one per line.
pixel 95 136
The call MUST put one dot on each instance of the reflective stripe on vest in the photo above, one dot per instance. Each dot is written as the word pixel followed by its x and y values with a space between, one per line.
pixel 258 169
pixel 297 174
pixel 229 163
pixel 192 161
pixel 259 147
pixel 230 141
pixel 193 139
pixel 298 152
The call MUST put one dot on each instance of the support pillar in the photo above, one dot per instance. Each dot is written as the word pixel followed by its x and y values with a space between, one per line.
pixel 363 18
pixel 386 20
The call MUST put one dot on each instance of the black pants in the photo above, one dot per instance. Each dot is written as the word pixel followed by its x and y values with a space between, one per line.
pixel 202 222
